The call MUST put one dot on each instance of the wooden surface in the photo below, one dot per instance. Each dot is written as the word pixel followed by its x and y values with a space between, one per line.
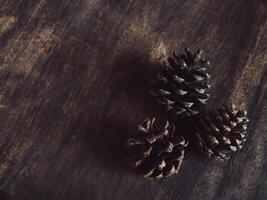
pixel 74 77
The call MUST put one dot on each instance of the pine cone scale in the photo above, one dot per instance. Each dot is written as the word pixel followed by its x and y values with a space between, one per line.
pixel 182 86
pixel 158 157
pixel 221 132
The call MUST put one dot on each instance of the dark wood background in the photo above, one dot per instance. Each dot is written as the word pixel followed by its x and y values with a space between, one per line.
pixel 74 76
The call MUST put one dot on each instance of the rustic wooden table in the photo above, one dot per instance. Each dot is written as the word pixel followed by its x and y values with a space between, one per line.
pixel 74 77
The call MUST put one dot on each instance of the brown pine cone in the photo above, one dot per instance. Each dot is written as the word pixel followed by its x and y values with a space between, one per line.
pixel 221 132
pixel 183 83
pixel 154 151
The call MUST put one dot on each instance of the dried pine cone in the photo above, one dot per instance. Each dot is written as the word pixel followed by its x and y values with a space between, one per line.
pixel 221 132
pixel 182 86
pixel 154 151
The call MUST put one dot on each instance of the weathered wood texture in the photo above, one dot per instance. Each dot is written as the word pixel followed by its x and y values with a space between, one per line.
pixel 74 77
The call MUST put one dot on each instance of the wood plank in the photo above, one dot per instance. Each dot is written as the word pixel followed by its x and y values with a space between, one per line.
pixel 75 77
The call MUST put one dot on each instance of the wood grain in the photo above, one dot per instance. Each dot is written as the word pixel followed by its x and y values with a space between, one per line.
pixel 74 77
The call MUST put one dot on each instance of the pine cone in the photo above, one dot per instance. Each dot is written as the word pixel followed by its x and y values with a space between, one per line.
pixel 221 132
pixel 182 86
pixel 154 151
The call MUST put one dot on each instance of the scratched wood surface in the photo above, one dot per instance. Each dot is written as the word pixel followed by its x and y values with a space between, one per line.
pixel 74 77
